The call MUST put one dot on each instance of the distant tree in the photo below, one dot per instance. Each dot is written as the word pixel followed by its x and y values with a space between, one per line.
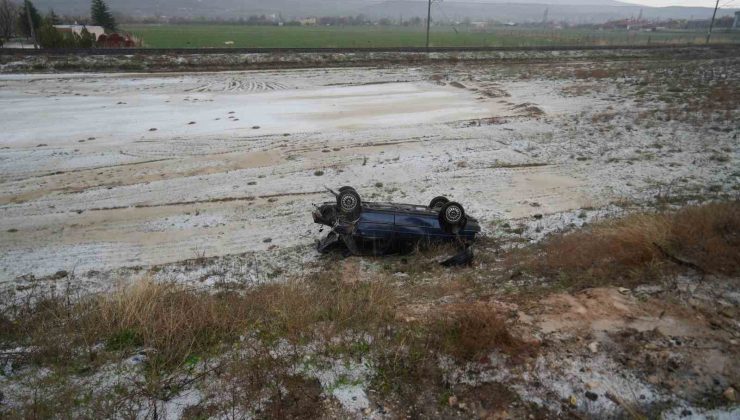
pixel 48 36
pixel 53 18
pixel 8 19
pixel 415 21
pixel 23 21
pixel 87 40
pixel 724 22
pixel 101 16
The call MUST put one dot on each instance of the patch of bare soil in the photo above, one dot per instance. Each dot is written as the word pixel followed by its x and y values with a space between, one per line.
pixel 301 398
pixel 494 401
pixel 605 309
pixel 675 340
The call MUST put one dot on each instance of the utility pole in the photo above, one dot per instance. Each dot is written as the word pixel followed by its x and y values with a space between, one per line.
pixel 711 24
pixel 33 30
pixel 429 20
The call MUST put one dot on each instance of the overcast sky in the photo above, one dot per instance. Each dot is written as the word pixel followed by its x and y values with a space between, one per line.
pixel 697 3
pixel 655 3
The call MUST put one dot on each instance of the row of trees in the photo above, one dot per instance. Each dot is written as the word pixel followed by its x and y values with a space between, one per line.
pixel 25 20
pixel 277 20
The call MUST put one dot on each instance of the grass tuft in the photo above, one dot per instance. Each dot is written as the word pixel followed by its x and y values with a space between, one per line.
pixel 470 332
pixel 640 247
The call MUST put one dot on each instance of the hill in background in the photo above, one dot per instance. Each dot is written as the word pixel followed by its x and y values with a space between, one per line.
pixel 577 11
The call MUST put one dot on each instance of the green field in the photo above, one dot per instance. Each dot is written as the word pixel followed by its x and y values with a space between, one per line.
pixel 210 35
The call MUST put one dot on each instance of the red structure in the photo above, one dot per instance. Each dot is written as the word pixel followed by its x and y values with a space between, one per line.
pixel 116 41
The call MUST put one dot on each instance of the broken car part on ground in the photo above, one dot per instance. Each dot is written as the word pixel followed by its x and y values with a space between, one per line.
pixel 372 228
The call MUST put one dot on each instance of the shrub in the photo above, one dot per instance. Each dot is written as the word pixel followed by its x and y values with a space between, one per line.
pixel 471 331
pixel 50 37
pixel 640 247
pixel 177 322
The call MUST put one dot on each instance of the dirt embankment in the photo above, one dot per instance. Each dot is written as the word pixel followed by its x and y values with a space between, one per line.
pixel 160 61
pixel 402 336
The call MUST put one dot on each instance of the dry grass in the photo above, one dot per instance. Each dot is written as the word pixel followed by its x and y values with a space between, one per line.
pixel 175 322
pixel 641 247
pixel 295 309
pixel 590 73
pixel 407 362
pixel 469 332
pixel 177 325
pixel 708 236
pixel 695 92
pixel 580 89
pixel 603 117
pixel 169 319
pixel 245 381
pixel 701 104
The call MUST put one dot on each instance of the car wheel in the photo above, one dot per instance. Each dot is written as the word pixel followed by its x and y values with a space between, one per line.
pixel 452 217
pixel 438 202
pixel 345 188
pixel 349 203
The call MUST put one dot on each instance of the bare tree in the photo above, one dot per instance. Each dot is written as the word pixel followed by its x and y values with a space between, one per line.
pixel 8 18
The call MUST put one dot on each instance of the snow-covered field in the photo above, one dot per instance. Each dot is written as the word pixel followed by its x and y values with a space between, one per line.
pixel 104 171
pixel 208 180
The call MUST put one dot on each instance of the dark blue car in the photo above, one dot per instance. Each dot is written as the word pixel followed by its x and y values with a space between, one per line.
pixel 363 227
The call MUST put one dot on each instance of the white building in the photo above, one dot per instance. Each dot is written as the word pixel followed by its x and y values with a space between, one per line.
pixel 77 29
pixel 308 21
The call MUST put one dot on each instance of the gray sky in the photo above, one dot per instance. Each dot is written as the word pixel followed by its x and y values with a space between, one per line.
pixel 696 3
pixel 662 3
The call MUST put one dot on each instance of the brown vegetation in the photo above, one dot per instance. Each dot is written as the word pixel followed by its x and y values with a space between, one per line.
pixel 469 331
pixel 641 247
pixel 583 73
pixel 176 322
pixel 410 320
pixel 603 117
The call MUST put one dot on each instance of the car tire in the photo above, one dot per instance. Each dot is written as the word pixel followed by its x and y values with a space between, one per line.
pixel 452 217
pixel 345 188
pixel 438 202
pixel 349 204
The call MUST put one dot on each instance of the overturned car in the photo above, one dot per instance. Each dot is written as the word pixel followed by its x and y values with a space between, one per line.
pixel 372 228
